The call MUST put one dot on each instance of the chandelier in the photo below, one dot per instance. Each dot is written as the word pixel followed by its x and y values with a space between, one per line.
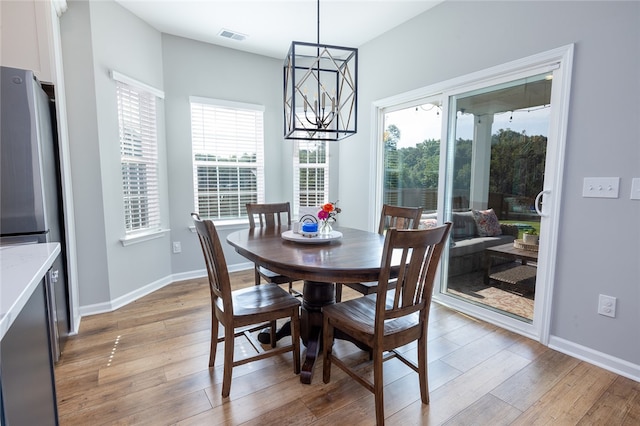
pixel 320 91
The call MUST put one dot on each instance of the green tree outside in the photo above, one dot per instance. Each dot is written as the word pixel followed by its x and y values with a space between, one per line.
pixel 517 164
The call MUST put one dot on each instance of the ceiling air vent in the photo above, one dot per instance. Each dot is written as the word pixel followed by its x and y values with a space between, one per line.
pixel 231 35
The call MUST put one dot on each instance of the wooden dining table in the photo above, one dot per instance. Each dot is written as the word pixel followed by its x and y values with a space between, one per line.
pixel 353 258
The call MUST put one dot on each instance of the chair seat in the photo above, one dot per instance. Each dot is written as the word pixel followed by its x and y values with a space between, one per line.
pixel 356 318
pixel 261 299
pixel 271 277
pixel 363 288
pixel 369 287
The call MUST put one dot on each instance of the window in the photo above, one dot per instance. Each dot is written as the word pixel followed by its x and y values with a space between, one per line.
pixel 228 157
pixel 311 174
pixel 138 154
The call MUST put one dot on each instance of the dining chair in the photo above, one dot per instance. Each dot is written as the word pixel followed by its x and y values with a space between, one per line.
pixel 390 318
pixel 242 312
pixel 269 216
pixel 391 217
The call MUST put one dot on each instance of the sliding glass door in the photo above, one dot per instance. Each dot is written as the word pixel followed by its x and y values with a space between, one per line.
pixel 499 148
pixel 498 144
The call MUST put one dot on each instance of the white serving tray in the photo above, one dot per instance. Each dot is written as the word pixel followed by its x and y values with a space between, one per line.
pixel 318 239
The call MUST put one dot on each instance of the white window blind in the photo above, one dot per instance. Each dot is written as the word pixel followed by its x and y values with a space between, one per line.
pixel 228 157
pixel 311 174
pixel 138 158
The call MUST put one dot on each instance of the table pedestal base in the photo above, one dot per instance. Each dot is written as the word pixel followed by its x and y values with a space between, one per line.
pixel 264 336
pixel 315 296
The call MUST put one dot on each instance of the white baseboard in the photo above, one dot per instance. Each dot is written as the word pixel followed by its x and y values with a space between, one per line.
pixel 608 362
pixel 240 267
pixel 123 300
pixel 192 275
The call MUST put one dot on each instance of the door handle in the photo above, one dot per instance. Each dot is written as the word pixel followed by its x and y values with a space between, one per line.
pixel 538 202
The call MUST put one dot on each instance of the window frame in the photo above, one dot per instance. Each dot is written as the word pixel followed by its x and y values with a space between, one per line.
pixel 418 102
pixel 207 141
pixel 130 94
pixel 298 167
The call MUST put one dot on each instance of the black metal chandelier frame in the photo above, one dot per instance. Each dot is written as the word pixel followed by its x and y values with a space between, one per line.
pixel 320 91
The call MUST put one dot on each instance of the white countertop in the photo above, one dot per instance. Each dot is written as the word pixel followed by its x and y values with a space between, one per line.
pixel 22 267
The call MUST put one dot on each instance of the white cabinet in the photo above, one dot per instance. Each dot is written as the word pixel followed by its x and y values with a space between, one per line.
pixel 26 37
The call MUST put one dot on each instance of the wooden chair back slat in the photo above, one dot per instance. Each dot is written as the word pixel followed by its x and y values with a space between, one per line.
pixel 215 262
pixel 269 215
pixel 399 217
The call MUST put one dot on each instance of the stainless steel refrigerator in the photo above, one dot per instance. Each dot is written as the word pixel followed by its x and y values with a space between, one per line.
pixel 30 189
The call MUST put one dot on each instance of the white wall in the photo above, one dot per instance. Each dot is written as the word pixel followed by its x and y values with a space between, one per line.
pixel 93 45
pixel 93 284
pixel 599 249
pixel 198 69
pixel 139 55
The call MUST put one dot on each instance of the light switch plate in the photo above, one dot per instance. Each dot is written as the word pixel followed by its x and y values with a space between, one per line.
pixel 601 187
pixel 635 189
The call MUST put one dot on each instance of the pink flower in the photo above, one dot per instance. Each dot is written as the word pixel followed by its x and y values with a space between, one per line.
pixel 329 211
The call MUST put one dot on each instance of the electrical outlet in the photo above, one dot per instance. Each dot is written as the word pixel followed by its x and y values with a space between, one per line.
pixel 177 247
pixel 607 305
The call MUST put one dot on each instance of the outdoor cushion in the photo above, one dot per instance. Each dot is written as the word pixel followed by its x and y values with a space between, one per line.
pixel 487 223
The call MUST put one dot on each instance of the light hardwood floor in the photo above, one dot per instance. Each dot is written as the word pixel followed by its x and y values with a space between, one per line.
pixel 146 364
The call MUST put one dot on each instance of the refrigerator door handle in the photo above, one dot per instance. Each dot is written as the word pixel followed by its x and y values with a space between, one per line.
pixel 50 280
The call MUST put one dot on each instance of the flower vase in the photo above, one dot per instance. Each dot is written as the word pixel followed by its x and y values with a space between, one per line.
pixel 325 227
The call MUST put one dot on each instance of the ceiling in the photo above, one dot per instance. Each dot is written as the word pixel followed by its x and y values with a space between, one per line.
pixel 271 25
pixel 525 94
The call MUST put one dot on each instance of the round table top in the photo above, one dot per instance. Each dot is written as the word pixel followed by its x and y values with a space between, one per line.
pixel 353 258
